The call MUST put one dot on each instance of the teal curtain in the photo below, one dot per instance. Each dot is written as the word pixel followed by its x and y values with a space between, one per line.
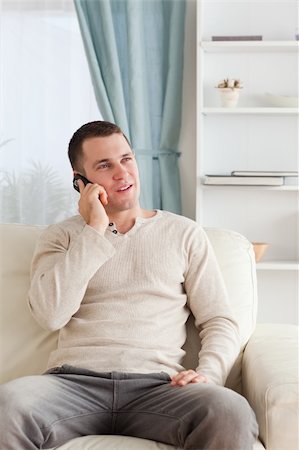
pixel 135 54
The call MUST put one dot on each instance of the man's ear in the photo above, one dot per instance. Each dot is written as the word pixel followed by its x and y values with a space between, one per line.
pixel 75 172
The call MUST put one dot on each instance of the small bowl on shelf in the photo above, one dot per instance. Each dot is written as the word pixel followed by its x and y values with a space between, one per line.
pixel 282 101
pixel 259 250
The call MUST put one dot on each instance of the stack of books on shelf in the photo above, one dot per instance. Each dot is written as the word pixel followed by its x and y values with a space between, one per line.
pixel 238 38
pixel 253 178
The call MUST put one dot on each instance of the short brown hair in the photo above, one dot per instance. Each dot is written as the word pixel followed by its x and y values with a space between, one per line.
pixel 99 128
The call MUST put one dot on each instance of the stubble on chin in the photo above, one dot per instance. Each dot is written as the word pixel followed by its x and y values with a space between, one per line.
pixel 115 207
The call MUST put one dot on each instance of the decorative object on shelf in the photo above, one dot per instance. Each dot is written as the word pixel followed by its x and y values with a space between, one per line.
pixel 238 38
pixel 229 92
pixel 283 101
pixel 259 250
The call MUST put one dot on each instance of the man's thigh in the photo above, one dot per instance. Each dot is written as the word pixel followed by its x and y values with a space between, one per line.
pixel 59 406
pixel 171 414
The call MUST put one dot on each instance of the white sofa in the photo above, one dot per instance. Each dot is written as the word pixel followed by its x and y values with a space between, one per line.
pixel 266 372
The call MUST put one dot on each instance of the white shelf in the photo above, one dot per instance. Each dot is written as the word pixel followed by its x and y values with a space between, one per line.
pixel 278 265
pixel 241 186
pixel 249 46
pixel 251 110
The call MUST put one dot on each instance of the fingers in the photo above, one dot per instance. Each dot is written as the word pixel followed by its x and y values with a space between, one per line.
pixel 81 185
pixel 186 377
pixel 93 199
pixel 200 379
pixel 103 197
pixel 95 188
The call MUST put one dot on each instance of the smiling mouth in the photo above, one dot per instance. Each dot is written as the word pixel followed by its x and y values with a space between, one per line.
pixel 125 188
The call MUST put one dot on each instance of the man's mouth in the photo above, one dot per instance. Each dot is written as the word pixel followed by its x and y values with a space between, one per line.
pixel 124 188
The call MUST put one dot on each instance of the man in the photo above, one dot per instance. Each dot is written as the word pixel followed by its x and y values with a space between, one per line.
pixel 119 282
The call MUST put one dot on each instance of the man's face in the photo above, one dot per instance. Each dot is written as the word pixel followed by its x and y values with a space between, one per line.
pixel 109 161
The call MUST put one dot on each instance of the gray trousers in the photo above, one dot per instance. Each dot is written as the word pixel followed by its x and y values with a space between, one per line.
pixel 44 411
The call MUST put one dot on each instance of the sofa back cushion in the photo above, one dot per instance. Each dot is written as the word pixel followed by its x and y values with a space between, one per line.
pixel 25 347
pixel 237 263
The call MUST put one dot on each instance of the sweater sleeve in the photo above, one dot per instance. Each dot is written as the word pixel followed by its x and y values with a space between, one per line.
pixel 208 300
pixel 60 271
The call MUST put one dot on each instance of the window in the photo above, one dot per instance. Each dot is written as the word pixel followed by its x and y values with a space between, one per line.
pixel 45 95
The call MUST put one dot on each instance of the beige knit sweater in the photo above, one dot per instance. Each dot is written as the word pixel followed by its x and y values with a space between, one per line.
pixel 121 301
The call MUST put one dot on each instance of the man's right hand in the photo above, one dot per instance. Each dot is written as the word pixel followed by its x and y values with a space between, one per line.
pixel 93 197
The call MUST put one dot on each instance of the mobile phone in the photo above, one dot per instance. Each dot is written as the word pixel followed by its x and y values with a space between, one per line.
pixel 79 177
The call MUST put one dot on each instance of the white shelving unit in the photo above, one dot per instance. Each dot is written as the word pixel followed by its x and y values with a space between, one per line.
pixel 253 188
pixel 249 46
pixel 251 110
pixel 278 265
pixel 252 136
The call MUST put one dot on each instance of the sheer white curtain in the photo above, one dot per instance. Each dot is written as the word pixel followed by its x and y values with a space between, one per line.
pixel 45 95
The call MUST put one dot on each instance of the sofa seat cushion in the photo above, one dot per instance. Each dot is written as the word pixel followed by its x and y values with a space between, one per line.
pixel 106 442
pixel 121 443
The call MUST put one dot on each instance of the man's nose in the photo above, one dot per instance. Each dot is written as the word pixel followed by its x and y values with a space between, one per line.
pixel 119 172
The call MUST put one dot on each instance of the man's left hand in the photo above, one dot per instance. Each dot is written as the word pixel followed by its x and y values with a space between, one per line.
pixel 186 377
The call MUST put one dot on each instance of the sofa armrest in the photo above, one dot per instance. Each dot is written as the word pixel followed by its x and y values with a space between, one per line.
pixel 270 383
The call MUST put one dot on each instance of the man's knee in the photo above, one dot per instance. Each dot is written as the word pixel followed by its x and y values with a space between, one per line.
pixel 232 414
pixel 233 408
pixel 218 419
pixel 17 397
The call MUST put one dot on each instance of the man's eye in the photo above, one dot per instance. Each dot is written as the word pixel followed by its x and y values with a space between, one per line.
pixel 128 158
pixel 103 166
